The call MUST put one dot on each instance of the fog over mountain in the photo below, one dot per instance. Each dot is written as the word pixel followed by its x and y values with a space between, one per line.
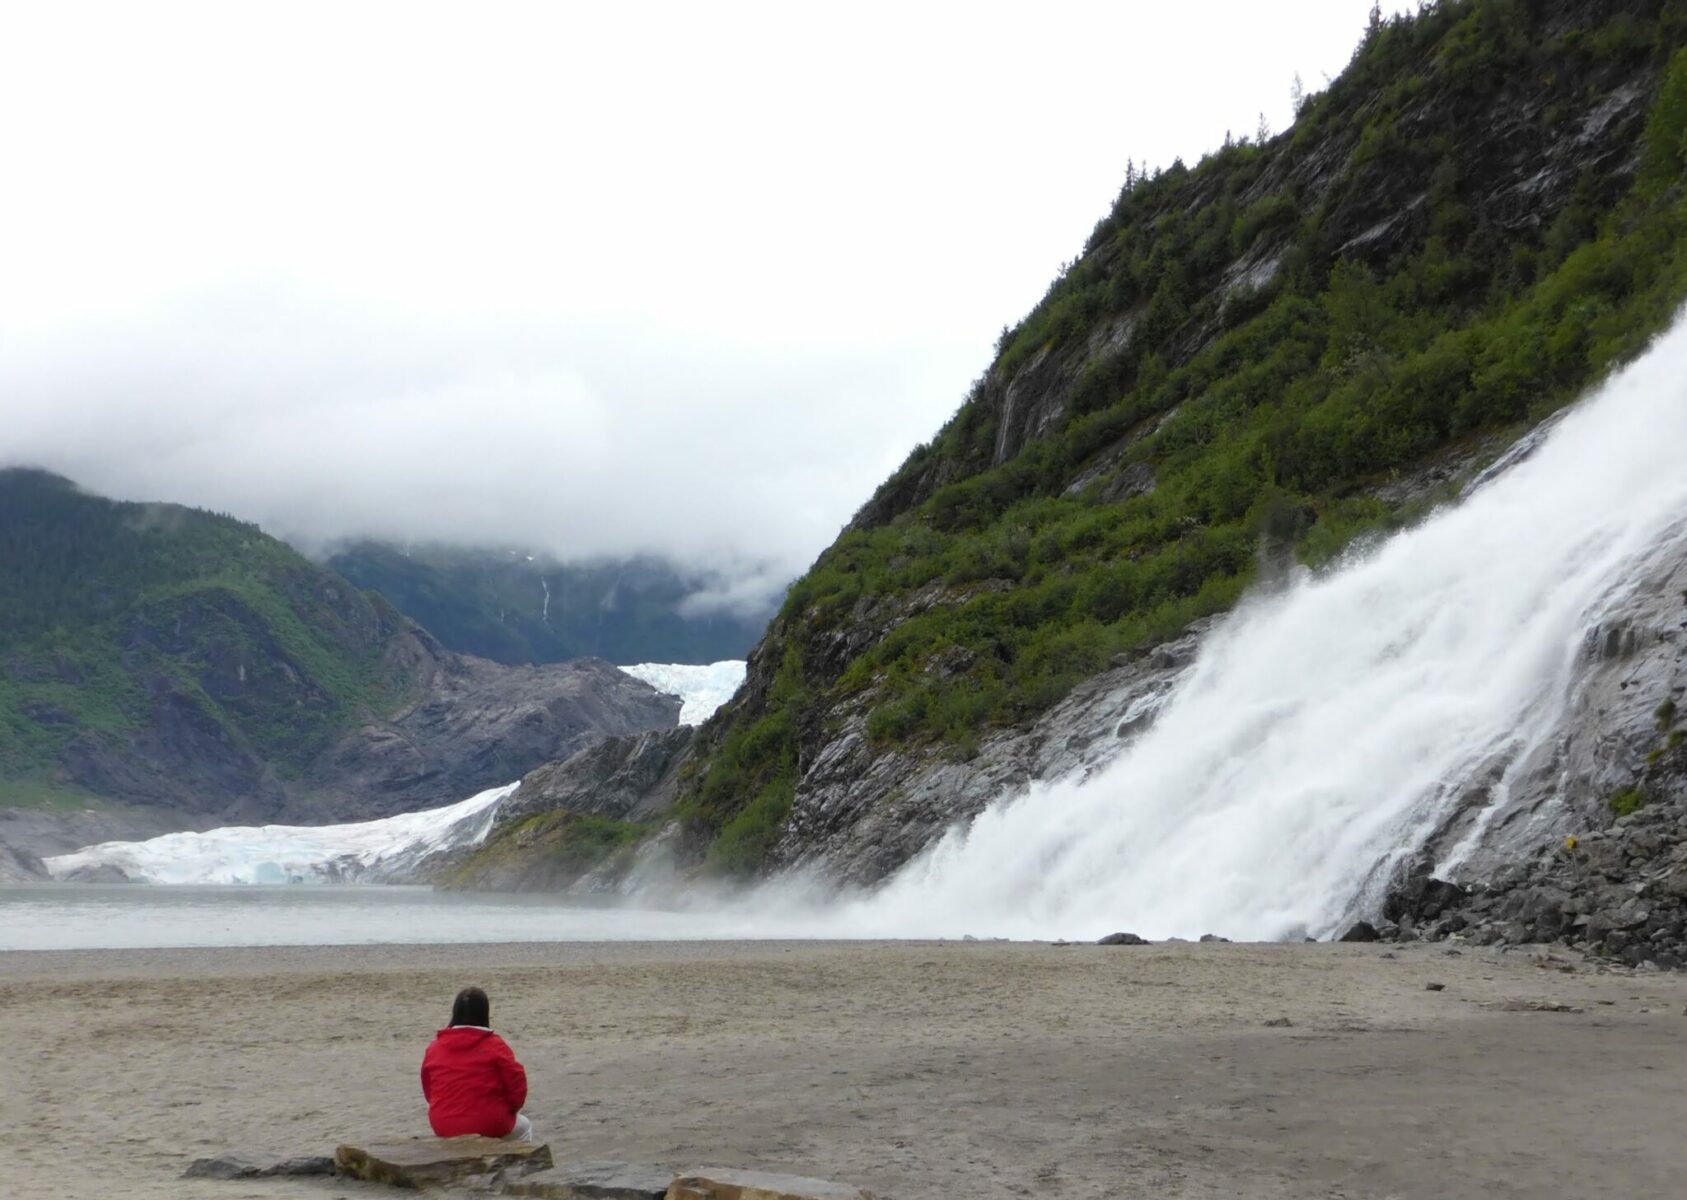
pixel 677 281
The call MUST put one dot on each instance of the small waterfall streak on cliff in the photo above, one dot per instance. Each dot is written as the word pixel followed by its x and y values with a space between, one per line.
pixel 1324 732
pixel 361 850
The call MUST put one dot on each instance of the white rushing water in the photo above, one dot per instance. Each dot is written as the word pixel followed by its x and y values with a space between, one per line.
pixel 260 854
pixel 1324 731
pixel 702 688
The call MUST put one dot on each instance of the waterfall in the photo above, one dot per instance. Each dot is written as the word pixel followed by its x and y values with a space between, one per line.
pixel 1326 730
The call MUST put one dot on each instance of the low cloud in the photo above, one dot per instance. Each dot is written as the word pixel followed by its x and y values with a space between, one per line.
pixel 578 441
pixel 591 280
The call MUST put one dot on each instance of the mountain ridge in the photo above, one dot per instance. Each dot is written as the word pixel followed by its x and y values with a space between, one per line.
pixel 167 660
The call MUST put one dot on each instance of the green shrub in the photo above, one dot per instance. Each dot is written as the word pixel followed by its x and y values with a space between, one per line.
pixel 1628 800
pixel 745 840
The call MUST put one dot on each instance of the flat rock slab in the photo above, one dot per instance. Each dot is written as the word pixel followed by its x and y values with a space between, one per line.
pixel 593 1181
pixel 722 1183
pixel 430 1162
pixel 241 1165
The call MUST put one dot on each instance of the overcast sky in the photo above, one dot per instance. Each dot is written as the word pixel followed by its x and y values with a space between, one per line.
pixel 602 278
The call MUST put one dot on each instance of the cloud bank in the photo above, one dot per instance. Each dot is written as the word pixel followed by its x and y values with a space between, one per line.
pixel 676 279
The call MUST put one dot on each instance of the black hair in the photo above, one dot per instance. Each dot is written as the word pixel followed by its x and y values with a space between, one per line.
pixel 471 1007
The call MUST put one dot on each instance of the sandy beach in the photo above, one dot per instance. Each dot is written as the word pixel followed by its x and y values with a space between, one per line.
pixel 914 1069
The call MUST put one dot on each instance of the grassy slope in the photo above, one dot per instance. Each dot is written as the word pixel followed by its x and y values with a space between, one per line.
pixel 1265 415
pixel 103 605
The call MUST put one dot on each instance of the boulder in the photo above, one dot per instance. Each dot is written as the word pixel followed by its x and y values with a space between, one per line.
pixel 722 1183
pixel 238 1164
pixel 432 1162
pixel 1123 939
pixel 593 1181
pixel 1362 931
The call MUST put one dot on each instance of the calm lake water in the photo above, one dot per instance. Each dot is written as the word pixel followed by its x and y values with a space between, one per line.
pixel 95 917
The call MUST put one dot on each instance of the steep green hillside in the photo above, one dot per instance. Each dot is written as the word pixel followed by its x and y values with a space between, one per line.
pixel 1255 357
pixel 113 616
pixel 515 608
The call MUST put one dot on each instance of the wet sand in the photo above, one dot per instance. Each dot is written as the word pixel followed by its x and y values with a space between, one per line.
pixel 915 1069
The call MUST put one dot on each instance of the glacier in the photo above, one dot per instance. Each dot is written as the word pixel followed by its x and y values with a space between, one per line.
pixel 361 851
pixel 356 852
pixel 703 688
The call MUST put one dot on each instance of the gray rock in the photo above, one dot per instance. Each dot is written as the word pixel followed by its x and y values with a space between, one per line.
pixel 18 865
pixel 1361 931
pixel 627 778
pixel 862 810
pixel 727 1183
pixel 438 1162
pixel 593 1181
pixel 1123 939
pixel 242 1165
pixel 479 724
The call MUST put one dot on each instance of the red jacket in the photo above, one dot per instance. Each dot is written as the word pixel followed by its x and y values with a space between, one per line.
pixel 472 1082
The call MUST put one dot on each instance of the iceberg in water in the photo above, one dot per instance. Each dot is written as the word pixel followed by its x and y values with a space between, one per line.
pixel 702 688
pixel 366 851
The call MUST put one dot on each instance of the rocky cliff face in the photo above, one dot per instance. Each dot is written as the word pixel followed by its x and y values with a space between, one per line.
pixel 1589 845
pixel 1522 149
pixel 477 724
pixel 1614 740
pixel 862 811
pixel 574 824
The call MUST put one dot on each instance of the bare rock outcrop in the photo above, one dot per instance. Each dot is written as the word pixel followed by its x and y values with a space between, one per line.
pixel 477 725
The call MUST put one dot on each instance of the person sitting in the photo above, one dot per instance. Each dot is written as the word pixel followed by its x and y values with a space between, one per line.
pixel 470 1077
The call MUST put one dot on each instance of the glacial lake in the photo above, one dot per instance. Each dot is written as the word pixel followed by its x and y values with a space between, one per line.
pixel 117 916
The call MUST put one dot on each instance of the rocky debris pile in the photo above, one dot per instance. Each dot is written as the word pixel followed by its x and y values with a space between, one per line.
pixel 1618 893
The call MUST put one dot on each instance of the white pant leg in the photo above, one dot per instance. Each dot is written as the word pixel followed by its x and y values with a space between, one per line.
pixel 523 1131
